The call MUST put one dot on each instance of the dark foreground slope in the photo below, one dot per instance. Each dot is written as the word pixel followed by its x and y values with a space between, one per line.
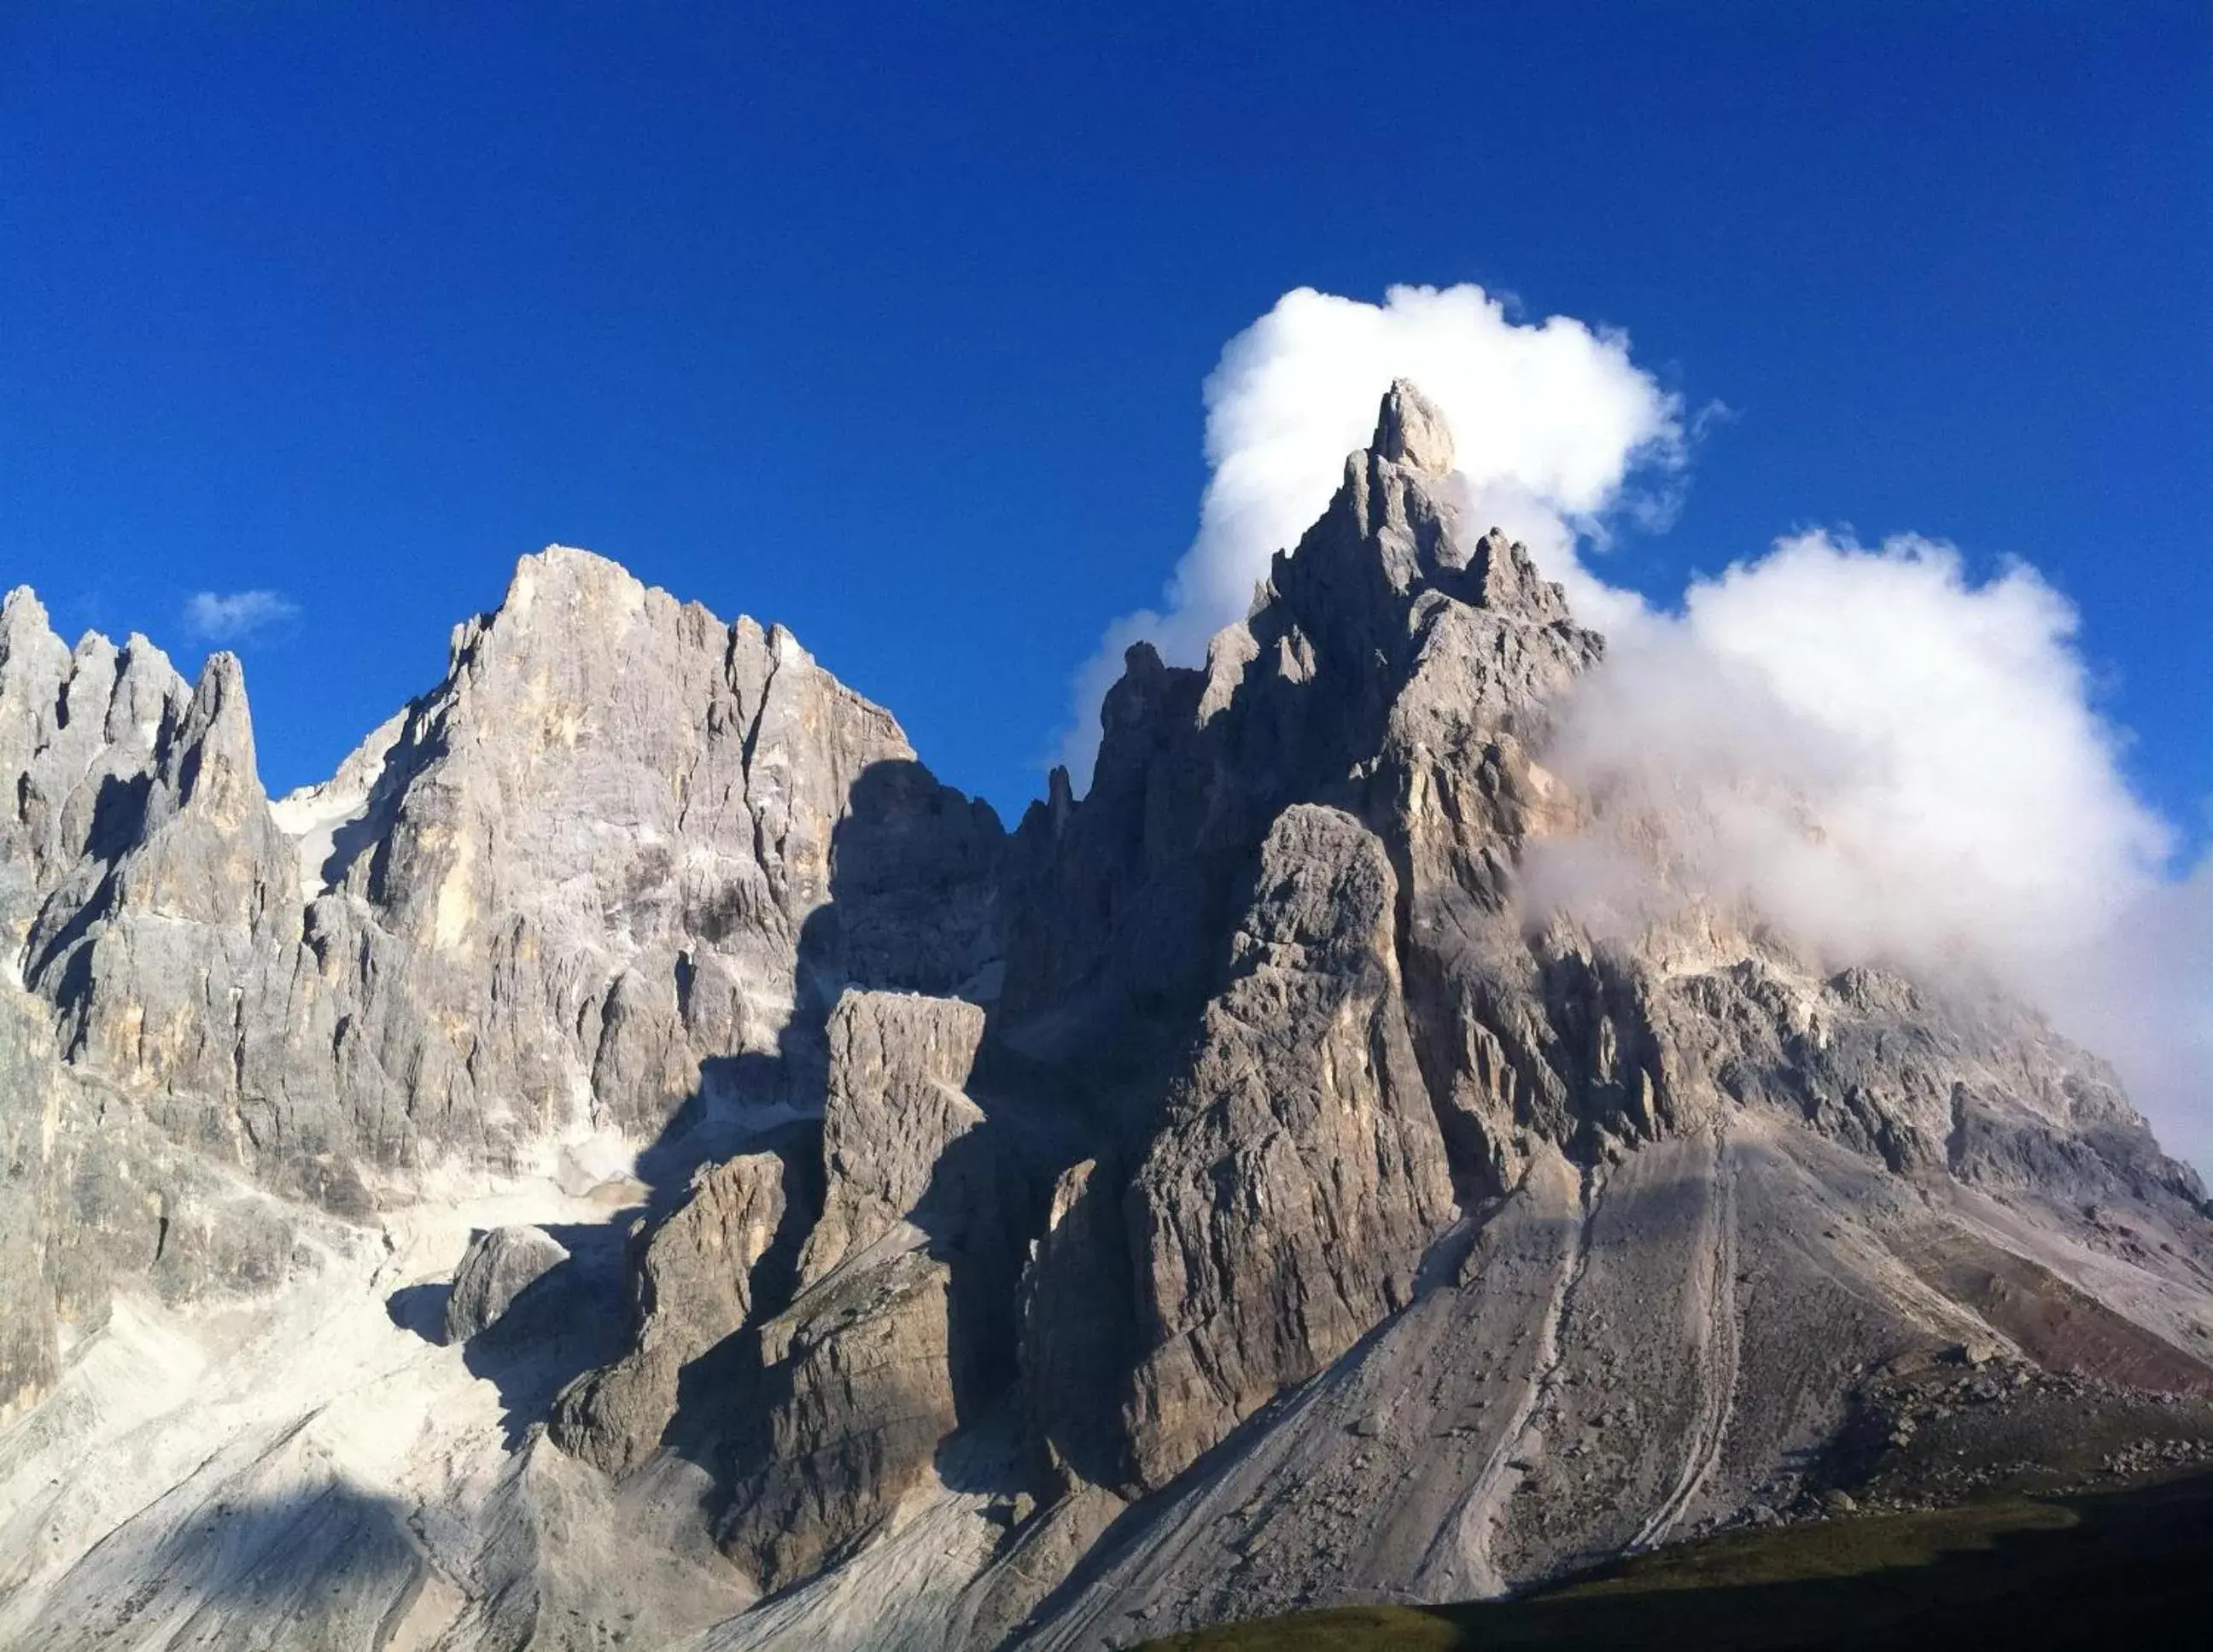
pixel 2094 1570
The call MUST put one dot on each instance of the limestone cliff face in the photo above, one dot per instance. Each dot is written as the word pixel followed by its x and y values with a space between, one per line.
pixel 565 890
pixel 1228 1191
pixel 697 1277
pixel 902 1312
pixel 30 1351
pixel 584 883
pixel 1299 1174
pixel 79 734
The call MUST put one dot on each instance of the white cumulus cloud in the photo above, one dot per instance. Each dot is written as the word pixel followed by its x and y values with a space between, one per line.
pixel 1550 419
pixel 1893 758
pixel 1898 764
pixel 226 617
pixel 2141 994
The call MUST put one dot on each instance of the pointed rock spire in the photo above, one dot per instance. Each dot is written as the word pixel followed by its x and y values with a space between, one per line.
pixel 147 693
pixel 29 651
pixel 1410 429
pixel 21 616
pixel 211 764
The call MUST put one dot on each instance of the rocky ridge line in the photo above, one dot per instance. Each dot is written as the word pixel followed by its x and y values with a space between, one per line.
pixel 1222 1192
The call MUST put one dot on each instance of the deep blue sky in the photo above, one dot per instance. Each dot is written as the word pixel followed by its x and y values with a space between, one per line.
pixel 889 322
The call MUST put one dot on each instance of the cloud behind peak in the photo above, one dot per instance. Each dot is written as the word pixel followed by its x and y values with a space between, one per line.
pixel 1549 421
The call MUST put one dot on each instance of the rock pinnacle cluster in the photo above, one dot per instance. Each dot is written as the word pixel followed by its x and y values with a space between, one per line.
pixel 633 1159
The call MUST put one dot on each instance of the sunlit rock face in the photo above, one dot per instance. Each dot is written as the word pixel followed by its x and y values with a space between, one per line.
pixel 563 892
pixel 632 1152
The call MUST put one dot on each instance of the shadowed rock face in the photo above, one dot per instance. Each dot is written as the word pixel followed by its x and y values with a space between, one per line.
pixel 895 1105
pixel 1221 1194
pixel 903 1319
pixel 498 1269
pixel 695 1278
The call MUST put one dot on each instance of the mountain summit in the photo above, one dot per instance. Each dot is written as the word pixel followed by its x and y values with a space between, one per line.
pixel 1411 430
pixel 869 1227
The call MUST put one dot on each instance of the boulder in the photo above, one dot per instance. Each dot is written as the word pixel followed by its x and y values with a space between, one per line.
pixel 498 1268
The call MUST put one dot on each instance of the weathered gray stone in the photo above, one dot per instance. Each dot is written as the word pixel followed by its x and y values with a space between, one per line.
pixel 694 1283
pixel 1298 1173
pixel 567 886
pixel 903 1322
pixel 1079 1332
pixel 1411 430
pixel 79 731
pixel 29 1323
pixel 1267 1010
pixel 1401 670
pixel 859 1393
pixel 496 1269
pixel 897 1062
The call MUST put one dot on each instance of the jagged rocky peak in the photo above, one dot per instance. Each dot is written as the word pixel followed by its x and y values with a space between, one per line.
pixel 81 731
pixel 1410 429
pixel 210 764
pixel 616 724
pixel 1400 505
pixel 1363 757
pixel 584 879
pixel 1390 642
pixel 107 691
pixel 26 634
pixel 575 628
pixel 1228 1191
